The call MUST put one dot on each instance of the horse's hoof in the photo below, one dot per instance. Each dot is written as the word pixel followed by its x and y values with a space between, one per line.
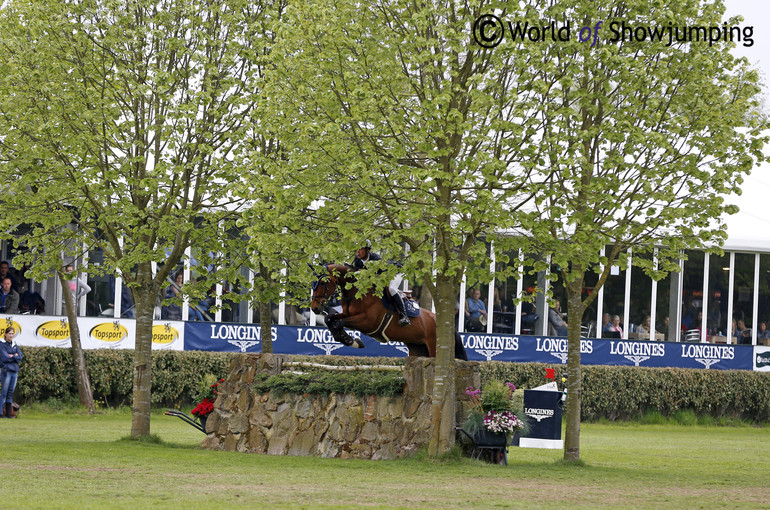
pixel 358 344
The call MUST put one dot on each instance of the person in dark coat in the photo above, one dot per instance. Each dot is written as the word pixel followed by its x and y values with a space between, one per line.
pixel 10 355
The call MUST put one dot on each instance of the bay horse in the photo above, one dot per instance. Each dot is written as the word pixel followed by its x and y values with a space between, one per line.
pixel 369 315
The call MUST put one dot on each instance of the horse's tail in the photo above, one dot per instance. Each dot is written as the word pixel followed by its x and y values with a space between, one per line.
pixel 459 349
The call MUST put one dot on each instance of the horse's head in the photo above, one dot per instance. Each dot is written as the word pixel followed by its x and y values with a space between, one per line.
pixel 323 290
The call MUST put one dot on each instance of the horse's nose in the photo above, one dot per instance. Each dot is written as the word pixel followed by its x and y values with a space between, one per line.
pixel 316 309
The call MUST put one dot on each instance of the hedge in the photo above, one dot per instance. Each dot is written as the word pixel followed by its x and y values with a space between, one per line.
pixel 48 373
pixel 618 392
pixel 612 392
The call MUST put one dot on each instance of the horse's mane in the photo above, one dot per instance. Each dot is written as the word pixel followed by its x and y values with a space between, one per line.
pixel 340 270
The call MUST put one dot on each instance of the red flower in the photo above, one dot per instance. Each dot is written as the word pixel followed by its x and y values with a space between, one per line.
pixel 204 408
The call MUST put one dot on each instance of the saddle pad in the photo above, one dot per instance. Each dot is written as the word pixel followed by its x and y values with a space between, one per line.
pixel 412 308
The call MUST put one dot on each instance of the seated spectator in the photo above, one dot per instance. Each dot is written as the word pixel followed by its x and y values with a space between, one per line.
pixel 645 326
pixel 31 302
pixel 475 309
pixel 9 298
pixel 606 322
pixel 556 324
pixel 5 272
pixel 615 330
pixel 762 332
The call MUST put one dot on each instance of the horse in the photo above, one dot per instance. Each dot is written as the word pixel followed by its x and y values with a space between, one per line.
pixel 369 315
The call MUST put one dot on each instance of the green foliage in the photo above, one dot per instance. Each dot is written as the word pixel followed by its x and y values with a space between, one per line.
pixel 325 382
pixel 47 373
pixel 623 393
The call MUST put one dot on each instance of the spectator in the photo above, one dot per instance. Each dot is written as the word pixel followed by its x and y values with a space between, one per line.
pixel 78 287
pixel 606 322
pixel 10 355
pixel 31 302
pixel 126 299
pixel 5 272
pixel 556 324
pixel 173 311
pixel 762 332
pixel 615 330
pixel 644 327
pixel 528 310
pixel 475 310
pixel 9 298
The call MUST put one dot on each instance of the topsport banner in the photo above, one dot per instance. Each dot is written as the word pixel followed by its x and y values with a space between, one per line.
pixel 95 332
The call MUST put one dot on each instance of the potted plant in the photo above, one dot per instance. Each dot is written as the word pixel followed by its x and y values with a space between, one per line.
pixel 494 414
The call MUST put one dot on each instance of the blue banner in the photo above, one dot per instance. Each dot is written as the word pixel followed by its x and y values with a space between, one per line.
pixel 227 337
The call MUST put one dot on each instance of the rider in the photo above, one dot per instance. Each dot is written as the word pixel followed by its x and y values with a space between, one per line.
pixel 364 255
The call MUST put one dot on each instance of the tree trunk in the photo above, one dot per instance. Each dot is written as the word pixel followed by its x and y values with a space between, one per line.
pixel 443 399
pixel 78 359
pixel 265 315
pixel 265 324
pixel 574 371
pixel 144 297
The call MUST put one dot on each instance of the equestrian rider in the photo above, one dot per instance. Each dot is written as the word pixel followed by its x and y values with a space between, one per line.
pixel 364 255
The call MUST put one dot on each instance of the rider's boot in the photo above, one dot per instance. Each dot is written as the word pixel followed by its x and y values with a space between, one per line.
pixel 403 319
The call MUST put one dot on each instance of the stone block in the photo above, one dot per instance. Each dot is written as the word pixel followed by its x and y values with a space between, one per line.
pixel 239 423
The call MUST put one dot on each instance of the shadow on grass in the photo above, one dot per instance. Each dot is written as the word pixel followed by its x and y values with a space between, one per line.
pixel 156 440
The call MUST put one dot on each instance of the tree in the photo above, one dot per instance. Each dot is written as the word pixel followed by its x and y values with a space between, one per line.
pixel 641 141
pixel 397 127
pixel 126 119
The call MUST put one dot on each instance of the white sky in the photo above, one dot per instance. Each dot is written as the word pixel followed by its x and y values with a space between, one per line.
pixel 751 226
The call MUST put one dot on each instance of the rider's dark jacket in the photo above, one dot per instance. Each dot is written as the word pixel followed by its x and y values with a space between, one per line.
pixel 360 264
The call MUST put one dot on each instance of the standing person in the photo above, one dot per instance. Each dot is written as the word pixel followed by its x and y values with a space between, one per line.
pixel 10 355
pixel 78 287
pixel 173 311
pixel 9 298
pixel 364 255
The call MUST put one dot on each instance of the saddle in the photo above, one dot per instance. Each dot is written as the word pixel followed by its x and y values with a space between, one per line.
pixel 411 306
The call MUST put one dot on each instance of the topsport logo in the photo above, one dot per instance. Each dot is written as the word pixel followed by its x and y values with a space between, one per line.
pixel 111 332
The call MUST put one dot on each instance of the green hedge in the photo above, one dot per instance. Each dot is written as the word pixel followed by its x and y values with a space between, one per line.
pixel 47 372
pixel 616 392
pixel 611 392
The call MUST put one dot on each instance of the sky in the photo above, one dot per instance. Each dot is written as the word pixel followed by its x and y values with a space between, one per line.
pixel 751 226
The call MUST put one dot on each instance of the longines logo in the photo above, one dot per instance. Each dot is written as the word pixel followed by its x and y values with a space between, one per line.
pixel 763 359
pixel 491 342
pixel 328 348
pixel 637 352
pixel 708 355
pixel 557 347
pixel 243 344
pixel 489 354
pixel 538 414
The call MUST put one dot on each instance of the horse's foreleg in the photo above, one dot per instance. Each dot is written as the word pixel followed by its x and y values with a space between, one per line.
pixel 336 325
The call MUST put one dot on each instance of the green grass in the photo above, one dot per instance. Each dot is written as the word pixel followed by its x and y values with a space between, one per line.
pixel 65 459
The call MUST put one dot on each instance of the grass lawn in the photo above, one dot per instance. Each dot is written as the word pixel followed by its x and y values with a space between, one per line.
pixel 69 460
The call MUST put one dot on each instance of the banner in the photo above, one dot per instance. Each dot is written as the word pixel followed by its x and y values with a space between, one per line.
pixel 640 353
pixel 109 333
pixel 95 332
pixel 206 336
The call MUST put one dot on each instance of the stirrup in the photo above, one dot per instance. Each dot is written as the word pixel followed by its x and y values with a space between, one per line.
pixel 404 321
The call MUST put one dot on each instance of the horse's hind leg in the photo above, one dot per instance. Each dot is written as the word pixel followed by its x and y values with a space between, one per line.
pixel 418 350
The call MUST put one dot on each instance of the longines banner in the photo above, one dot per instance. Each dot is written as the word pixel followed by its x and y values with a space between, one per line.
pixel 314 340
pixel 95 332
pixel 103 332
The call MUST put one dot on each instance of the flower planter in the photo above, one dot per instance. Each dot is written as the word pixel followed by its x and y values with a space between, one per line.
pixel 484 438
pixel 202 420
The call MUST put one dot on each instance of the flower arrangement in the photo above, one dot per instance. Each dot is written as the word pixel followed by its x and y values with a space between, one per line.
pixel 494 408
pixel 206 396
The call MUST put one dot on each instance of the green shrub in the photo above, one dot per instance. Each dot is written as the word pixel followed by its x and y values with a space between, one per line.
pixel 325 382
pixel 624 393
pixel 47 373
